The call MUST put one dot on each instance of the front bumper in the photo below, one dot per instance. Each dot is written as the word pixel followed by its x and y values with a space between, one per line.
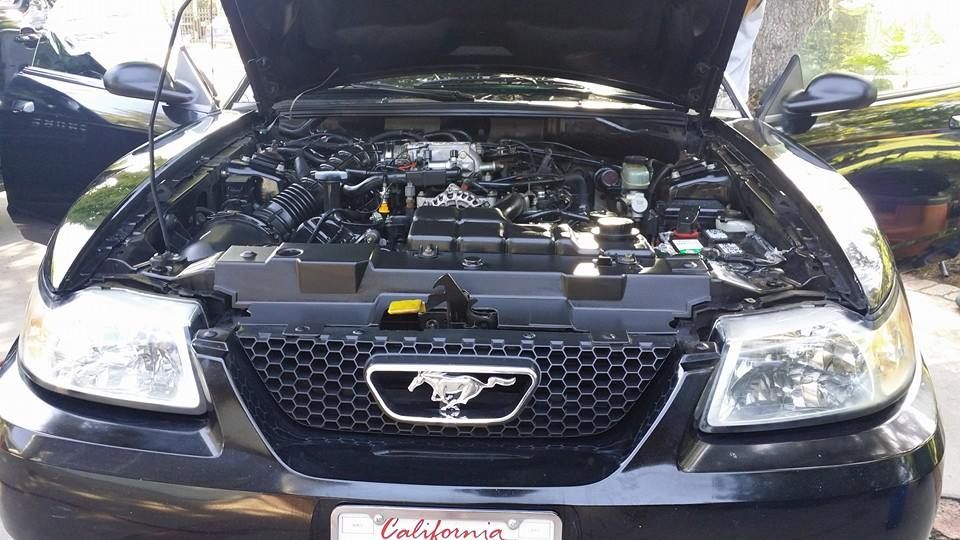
pixel 68 468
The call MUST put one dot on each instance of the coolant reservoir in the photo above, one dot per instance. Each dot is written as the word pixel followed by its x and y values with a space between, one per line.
pixel 635 173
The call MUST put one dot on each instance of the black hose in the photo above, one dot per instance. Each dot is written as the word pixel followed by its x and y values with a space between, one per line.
pixel 512 206
pixel 453 135
pixel 554 214
pixel 329 135
pixel 521 144
pixel 370 183
pixel 520 180
pixel 655 183
pixel 374 182
pixel 291 207
pixel 435 135
pixel 301 166
pixel 326 215
pixel 582 192
pixel 298 132
pixel 580 188
pixel 312 156
pixel 461 133
pixel 396 135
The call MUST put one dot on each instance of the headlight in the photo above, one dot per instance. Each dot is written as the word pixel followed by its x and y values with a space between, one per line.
pixel 808 365
pixel 115 346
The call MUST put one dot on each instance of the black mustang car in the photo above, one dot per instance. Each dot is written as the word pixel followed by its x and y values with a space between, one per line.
pixel 471 270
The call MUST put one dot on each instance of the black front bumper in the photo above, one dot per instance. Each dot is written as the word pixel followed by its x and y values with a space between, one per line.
pixel 68 469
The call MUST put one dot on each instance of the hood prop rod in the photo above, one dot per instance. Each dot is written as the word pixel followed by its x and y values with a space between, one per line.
pixel 162 261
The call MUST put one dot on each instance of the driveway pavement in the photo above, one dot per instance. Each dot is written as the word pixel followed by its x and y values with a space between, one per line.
pixel 19 258
pixel 936 319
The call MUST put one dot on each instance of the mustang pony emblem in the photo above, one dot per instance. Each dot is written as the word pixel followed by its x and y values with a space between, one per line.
pixel 455 390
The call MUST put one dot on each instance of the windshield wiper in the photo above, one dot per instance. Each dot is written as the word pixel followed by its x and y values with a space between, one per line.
pixel 535 85
pixel 407 91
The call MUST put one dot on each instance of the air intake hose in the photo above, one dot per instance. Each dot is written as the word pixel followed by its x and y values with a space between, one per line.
pixel 272 223
pixel 291 207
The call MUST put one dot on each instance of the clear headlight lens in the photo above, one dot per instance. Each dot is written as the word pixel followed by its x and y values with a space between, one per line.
pixel 115 346
pixel 809 364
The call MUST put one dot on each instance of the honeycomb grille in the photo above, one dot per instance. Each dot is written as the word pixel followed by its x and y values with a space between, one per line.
pixel 585 388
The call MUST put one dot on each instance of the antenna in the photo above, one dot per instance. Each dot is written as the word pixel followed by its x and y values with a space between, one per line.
pixel 151 140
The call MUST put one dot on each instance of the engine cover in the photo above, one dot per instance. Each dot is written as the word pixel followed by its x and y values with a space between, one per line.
pixel 486 230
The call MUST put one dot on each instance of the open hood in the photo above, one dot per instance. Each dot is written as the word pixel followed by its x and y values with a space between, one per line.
pixel 674 50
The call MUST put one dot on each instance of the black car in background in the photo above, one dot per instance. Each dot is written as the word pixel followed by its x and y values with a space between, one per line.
pixel 59 127
pixel 472 270
pixel 903 155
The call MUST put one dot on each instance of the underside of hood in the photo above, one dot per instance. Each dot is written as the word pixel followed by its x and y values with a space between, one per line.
pixel 674 50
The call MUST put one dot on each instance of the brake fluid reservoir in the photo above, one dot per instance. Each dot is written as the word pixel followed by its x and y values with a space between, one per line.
pixel 735 226
pixel 635 173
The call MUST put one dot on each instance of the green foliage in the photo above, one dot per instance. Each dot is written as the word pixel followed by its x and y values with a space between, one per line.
pixel 852 38
pixel 91 208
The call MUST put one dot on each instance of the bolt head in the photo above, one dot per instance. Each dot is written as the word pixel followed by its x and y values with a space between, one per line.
pixel 513 524
pixel 249 255
pixel 379 519
pixel 472 261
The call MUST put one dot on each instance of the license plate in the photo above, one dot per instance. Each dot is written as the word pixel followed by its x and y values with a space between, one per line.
pixel 385 523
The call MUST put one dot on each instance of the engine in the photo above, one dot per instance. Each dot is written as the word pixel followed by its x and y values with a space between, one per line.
pixel 444 197
pixel 401 192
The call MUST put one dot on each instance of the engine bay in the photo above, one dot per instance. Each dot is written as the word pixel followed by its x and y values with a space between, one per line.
pixel 574 228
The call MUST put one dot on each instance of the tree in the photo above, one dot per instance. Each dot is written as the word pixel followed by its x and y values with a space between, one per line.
pixel 785 25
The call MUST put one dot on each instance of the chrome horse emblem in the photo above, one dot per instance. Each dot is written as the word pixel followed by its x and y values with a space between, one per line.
pixel 455 390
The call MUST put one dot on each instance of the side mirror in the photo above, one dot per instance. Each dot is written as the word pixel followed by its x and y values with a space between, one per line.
pixel 831 92
pixel 140 80
pixel 792 108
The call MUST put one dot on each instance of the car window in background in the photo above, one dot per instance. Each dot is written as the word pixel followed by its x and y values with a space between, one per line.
pixel 899 45
pixel 87 38
pixel 59 55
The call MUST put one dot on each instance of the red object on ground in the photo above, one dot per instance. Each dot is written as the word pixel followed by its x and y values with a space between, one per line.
pixel 903 219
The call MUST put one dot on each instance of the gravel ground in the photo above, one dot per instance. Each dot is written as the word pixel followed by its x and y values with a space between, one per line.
pixel 932 272
pixel 947 526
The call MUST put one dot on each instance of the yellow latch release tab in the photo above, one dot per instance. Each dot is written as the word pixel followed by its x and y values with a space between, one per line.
pixel 407 307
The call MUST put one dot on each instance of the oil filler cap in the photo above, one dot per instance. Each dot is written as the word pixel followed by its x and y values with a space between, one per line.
pixel 615 228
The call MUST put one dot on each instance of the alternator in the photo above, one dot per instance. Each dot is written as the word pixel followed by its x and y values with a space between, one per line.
pixel 454 196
